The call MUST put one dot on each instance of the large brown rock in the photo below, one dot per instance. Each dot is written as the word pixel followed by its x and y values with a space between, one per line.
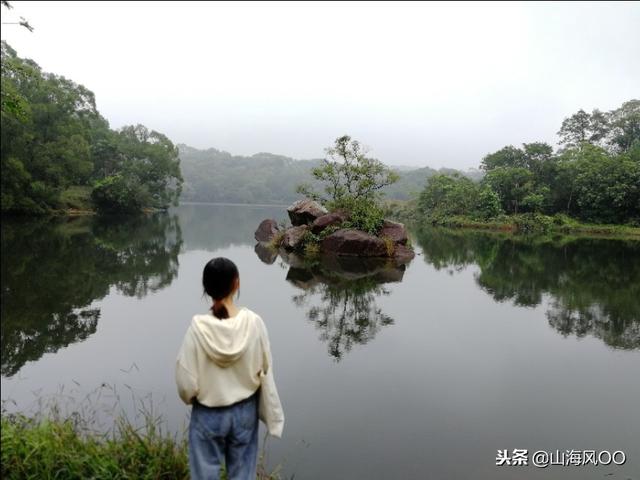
pixel 403 254
pixel 353 242
pixel 266 230
pixel 394 231
pixel 293 236
pixel 305 211
pixel 333 218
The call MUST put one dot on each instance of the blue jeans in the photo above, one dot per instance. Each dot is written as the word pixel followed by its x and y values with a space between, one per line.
pixel 228 434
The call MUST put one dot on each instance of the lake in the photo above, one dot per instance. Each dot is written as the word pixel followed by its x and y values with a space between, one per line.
pixel 484 342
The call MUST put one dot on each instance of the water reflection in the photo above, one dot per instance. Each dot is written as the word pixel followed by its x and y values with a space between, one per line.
pixel 593 285
pixel 54 269
pixel 211 227
pixel 339 294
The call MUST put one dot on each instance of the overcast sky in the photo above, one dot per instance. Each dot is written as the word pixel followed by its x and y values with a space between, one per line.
pixel 420 84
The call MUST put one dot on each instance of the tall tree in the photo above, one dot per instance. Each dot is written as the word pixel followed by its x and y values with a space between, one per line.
pixel 349 175
pixel 625 126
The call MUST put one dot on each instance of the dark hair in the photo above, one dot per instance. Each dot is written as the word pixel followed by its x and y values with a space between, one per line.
pixel 218 279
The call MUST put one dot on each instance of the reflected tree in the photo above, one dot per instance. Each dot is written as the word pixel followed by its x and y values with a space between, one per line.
pixel 592 285
pixel 340 295
pixel 347 313
pixel 53 272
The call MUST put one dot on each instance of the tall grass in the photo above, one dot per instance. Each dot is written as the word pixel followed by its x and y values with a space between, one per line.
pixel 55 443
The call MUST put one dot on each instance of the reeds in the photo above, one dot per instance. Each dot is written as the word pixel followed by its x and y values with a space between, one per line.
pixel 58 443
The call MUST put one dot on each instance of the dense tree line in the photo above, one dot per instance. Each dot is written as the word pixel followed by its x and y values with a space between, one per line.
pixel 53 138
pixel 594 176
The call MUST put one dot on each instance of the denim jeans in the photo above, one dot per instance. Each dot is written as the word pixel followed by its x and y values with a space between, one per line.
pixel 226 435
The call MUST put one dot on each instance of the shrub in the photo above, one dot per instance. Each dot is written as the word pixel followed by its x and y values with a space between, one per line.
pixel 363 215
pixel 488 205
pixel 532 223
pixel 118 194
pixel 389 245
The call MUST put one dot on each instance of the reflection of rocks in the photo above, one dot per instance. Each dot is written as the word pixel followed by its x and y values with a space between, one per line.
pixel 266 230
pixel 305 211
pixel 348 287
pixel 347 271
pixel 334 270
pixel 265 253
pixel 302 278
pixel 292 258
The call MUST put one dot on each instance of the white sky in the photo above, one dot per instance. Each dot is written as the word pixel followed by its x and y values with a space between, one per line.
pixel 420 84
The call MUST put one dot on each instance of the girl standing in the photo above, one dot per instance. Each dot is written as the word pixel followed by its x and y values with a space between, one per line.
pixel 224 370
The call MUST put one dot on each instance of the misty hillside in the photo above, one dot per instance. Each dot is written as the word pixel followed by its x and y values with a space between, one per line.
pixel 216 176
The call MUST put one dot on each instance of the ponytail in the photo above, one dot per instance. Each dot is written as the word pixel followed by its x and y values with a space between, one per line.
pixel 219 310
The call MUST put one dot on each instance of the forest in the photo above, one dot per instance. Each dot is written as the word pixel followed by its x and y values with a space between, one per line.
pixel 594 176
pixel 58 152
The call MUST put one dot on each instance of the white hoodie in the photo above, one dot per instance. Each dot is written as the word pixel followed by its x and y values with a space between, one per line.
pixel 222 362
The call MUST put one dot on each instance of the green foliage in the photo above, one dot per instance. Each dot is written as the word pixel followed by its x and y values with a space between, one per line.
pixel 59 449
pixel 349 176
pixel 509 156
pixel 532 223
pixel 599 186
pixel 488 205
pixel 118 193
pixel 625 126
pixel 51 444
pixel 595 177
pixel 352 182
pixel 512 184
pixel 364 215
pixel 77 198
pixel 53 138
pixel 448 195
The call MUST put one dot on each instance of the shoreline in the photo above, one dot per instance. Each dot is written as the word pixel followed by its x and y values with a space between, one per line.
pixel 579 230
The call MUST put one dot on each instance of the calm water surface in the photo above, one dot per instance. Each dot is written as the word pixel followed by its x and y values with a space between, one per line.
pixel 481 343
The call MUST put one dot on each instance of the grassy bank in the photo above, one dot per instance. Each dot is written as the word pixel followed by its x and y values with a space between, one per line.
pixel 61 449
pixel 87 441
pixel 534 223
pixel 46 449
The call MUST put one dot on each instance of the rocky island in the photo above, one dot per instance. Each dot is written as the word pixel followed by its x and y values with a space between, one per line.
pixel 315 230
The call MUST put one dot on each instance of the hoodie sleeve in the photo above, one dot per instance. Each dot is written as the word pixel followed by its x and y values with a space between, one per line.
pixel 270 408
pixel 186 378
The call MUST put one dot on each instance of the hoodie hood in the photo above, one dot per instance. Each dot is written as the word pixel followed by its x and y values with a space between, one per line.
pixel 224 341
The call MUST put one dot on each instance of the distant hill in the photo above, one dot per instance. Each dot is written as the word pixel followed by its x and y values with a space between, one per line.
pixel 217 176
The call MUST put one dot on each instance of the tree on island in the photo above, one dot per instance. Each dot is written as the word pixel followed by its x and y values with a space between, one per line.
pixel 352 183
